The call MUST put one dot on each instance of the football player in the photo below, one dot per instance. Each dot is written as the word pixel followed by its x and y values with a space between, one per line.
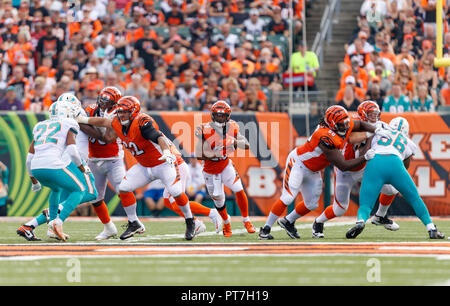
pixel 304 164
pixel 217 139
pixel 45 164
pixel 388 166
pixel 368 111
pixel 105 159
pixel 155 161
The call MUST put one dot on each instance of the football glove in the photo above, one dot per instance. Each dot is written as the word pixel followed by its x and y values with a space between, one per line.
pixel 369 154
pixel 168 157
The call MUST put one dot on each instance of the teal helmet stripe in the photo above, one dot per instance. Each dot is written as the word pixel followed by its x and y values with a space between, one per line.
pixel 400 125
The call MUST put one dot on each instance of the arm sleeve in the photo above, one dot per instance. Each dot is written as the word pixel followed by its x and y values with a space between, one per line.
pixel 29 159
pixel 74 154
pixel 149 132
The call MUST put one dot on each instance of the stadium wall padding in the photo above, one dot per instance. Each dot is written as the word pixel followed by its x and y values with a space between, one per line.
pixel 271 136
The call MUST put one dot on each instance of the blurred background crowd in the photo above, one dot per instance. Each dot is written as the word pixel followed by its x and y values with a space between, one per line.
pixel 171 54
pixel 390 58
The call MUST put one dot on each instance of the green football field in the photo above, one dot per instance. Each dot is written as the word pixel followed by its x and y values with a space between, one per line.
pixel 162 257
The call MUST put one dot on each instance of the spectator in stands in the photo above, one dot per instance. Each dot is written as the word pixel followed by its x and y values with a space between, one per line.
pixel 231 40
pixel 396 102
pixel 350 81
pixel 253 26
pixel 136 89
pixel 38 99
pixel 201 28
pixel 49 45
pixel 218 12
pixel 277 25
pixel 360 75
pixel 186 95
pixel 423 102
pixel 147 49
pixel 175 16
pixel 239 15
pixel 251 102
pixel 375 93
pixel 10 101
pixel 386 52
pixel 235 101
pixel 161 78
pixel 20 83
pixel 359 54
pixel 349 102
pixel 444 95
pixel 305 61
pixel 89 95
pixel 430 76
pixel 153 198
pixel 159 99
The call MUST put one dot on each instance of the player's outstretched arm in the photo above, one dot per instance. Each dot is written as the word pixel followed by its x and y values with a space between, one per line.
pixel 96 121
pixel 335 157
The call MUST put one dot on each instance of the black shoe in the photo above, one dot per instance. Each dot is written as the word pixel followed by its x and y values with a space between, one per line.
pixel 435 234
pixel 386 222
pixel 317 230
pixel 288 227
pixel 190 229
pixel 264 233
pixel 355 230
pixel 133 228
pixel 26 231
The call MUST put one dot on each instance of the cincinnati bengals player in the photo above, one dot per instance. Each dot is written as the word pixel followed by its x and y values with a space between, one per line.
pixel 105 159
pixel 155 161
pixel 304 164
pixel 368 111
pixel 216 139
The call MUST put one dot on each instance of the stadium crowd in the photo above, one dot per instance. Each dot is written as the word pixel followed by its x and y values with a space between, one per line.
pixel 170 54
pixel 390 58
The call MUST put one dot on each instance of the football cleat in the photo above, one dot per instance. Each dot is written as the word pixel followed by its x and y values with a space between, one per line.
pixel 190 229
pixel 355 230
pixel 264 233
pixel 109 231
pixel 249 227
pixel 435 234
pixel 317 230
pixel 227 230
pixel 51 234
pixel 135 227
pixel 289 227
pixel 216 220
pixel 386 222
pixel 26 231
pixel 200 227
pixel 56 226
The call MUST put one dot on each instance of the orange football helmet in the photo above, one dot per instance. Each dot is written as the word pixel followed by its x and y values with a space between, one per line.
pixel 108 97
pixel 128 104
pixel 369 111
pixel 220 107
pixel 337 119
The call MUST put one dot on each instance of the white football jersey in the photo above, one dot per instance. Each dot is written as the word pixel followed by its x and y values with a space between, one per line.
pixel 82 142
pixel 399 145
pixel 50 143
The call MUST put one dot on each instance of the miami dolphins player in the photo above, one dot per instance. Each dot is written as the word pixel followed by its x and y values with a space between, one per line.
pixel 392 157
pixel 27 230
pixel 68 180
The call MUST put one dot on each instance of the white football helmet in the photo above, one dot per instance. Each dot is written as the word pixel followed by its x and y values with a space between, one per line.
pixel 73 103
pixel 58 111
pixel 400 124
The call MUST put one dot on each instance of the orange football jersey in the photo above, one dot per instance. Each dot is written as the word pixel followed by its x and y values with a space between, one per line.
pixel 97 148
pixel 312 155
pixel 145 151
pixel 214 139
pixel 350 149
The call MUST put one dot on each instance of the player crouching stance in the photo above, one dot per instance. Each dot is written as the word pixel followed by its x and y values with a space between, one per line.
pixel 304 164
pixel 155 161
pixel 368 111
pixel 217 139
pixel 392 156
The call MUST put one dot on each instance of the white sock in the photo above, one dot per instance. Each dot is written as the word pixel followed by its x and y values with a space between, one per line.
pixel 186 209
pixel 293 216
pixel 382 210
pixel 271 219
pixel 246 219
pixel 33 223
pixel 322 218
pixel 131 212
pixel 430 226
